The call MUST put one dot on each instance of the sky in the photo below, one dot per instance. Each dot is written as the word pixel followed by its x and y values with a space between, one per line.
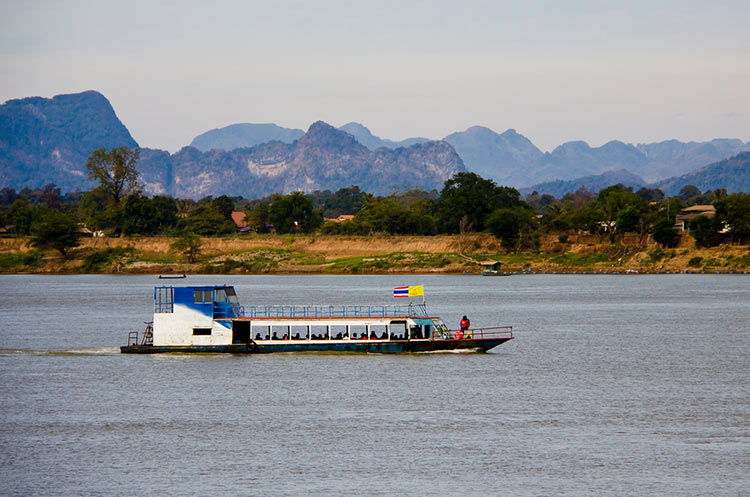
pixel 555 71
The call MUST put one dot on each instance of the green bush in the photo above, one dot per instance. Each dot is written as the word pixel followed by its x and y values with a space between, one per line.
pixel 695 262
pixel 99 260
pixel 656 255
pixel 15 261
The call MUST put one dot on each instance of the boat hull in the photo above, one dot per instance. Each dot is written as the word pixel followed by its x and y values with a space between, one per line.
pixel 372 346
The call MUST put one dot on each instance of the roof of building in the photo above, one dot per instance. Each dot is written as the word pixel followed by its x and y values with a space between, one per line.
pixel 239 219
pixel 341 218
pixel 698 208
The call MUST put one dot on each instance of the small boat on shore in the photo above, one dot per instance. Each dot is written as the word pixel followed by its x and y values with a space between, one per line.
pixel 211 319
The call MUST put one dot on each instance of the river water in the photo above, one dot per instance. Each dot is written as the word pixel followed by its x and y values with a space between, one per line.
pixel 614 385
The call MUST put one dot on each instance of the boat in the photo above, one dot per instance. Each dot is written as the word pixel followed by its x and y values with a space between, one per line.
pixel 210 319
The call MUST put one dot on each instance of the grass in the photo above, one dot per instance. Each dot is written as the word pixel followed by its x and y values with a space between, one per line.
pixel 580 260
pixel 394 261
pixel 20 260
pixel 103 259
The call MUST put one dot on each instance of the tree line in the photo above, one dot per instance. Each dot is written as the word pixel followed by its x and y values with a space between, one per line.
pixel 466 203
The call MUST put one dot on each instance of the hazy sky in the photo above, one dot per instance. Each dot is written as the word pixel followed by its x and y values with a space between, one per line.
pixel 555 71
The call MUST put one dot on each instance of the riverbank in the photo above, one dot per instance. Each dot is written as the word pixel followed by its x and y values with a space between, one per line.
pixel 275 254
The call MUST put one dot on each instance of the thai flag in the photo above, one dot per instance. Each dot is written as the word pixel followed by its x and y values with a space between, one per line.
pixel 401 291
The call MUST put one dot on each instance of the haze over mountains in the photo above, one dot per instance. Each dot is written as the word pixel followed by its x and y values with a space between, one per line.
pixel 48 141
pixel 511 159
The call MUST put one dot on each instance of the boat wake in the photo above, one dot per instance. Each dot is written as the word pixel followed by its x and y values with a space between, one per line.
pixel 71 352
pixel 454 351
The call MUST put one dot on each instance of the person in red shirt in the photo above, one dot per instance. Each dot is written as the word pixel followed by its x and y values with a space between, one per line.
pixel 465 323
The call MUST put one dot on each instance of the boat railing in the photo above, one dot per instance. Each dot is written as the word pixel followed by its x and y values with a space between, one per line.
pixel 334 311
pixel 479 333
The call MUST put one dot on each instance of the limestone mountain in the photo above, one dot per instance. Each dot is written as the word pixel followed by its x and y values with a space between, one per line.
pixel 673 158
pixel 244 135
pixel 559 188
pixel 504 157
pixel 366 138
pixel 323 158
pixel 48 140
pixel 732 174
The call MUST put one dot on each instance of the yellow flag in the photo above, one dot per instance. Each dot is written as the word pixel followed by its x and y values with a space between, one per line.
pixel 416 291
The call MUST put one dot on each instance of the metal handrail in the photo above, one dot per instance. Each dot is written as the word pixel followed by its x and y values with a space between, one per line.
pixel 481 333
pixel 334 311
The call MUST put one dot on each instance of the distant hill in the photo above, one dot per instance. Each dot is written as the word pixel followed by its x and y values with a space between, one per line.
pixel 732 174
pixel 504 157
pixel 323 158
pixel 244 135
pixel 673 158
pixel 593 184
pixel 48 140
pixel 366 138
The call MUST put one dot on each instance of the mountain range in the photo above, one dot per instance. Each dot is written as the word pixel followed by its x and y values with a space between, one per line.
pixel 48 141
pixel 511 159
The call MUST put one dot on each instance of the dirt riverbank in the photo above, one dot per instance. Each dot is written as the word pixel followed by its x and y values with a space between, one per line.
pixel 371 255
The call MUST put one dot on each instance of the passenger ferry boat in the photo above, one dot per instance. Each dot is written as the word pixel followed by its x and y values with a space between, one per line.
pixel 210 319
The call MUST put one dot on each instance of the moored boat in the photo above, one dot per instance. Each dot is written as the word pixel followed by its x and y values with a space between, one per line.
pixel 211 319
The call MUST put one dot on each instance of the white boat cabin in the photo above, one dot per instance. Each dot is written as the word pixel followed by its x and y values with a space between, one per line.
pixel 212 316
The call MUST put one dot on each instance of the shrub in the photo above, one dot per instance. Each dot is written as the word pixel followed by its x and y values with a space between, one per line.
pixel 98 260
pixel 695 262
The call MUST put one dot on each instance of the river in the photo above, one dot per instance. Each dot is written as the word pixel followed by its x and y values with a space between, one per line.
pixel 614 385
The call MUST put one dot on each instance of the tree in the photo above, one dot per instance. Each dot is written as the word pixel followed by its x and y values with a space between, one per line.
pixel 294 213
pixel 205 220
pixel 688 193
pixel 650 195
pixel 665 234
pixel 614 200
pixel 256 217
pixel 387 215
pixel 510 225
pixel 734 211
pixel 166 212
pixel 55 230
pixel 138 216
pixel 115 171
pixel 21 215
pixel 188 245
pixel 93 210
pixel 224 206
pixel 705 231
pixel 628 219
pixel 470 195
pixel 344 201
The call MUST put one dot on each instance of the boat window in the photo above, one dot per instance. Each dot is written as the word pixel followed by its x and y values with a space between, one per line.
pixel 319 332
pixel 416 331
pixel 279 332
pixel 201 331
pixel 379 330
pixel 358 330
pixel 299 332
pixel 202 296
pixel 338 331
pixel 232 295
pixel 164 299
pixel 261 330
pixel 220 295
pixel 398 330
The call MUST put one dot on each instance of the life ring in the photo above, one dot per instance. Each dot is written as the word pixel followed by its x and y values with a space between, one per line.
pixel 459 334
